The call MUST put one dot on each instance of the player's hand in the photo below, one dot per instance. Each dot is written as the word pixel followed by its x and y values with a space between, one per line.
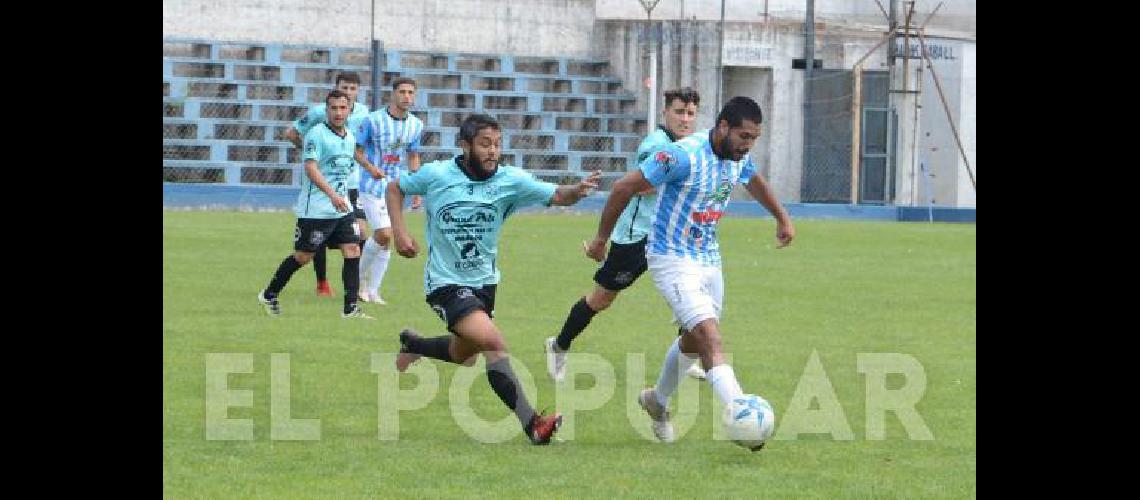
pixel 595 249
pixel 591 182
pixel 376 173
pixel 785 233
pixel 417 201
pixel 341 203
pixel 406 246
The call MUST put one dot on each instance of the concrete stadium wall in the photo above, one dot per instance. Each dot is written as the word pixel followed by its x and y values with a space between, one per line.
pixel 534 27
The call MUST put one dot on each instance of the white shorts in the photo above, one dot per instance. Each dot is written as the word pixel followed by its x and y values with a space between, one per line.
pixel 376 211
pixel 694 291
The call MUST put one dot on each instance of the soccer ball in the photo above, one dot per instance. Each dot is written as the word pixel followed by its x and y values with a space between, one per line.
pixel 749 421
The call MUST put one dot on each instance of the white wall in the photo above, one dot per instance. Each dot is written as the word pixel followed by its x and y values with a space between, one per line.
pixel 955 66
pixel 533 27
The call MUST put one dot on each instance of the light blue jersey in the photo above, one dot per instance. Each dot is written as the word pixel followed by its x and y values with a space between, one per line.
pixel 317 115
pixel 693 188
pixel 464 217
pixel 633 224
pixel 387 141
pixel 333 154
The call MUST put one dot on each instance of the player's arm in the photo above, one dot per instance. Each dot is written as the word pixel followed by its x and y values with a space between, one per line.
pixel 394 198
pixel 301 126
pixel 414 166
pixel 624 189
pixel 314 173
pixel 759 189
pixel 293 136
pixel 572 193
pixel 414 161
pixel 362 160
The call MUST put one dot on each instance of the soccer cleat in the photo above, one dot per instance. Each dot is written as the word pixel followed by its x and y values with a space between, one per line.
pixel 555 360
pixel 696 371
pixel 271 306
pixel 404 358
pixel 356 312
pixel 323 289
pixel 543 427
pixel 659 416
pixel 373 298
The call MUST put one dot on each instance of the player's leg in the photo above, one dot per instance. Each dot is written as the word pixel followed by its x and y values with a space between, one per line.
pixel 704 338
pixel 320 267
pixel 362 228
pixel 679 282
pixel 347 237
pixel 623 265
pixel 467 312
pixel 308 235
pixel 478 329
pixel 376 253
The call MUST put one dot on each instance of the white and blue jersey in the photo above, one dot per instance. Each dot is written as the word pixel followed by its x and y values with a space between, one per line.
pixel 693 188
pixel 464 217
pixel 387 142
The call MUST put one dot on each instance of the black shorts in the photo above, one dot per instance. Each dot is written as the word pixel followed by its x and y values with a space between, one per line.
pixel 311 234
pixel 623 265
pixel 453 302
pixel 357 208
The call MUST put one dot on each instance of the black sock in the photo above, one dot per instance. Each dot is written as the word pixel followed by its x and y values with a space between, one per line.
pixel 351 276
pixel 506 386
pixel 281 277
pixel 435 347
pixel 579 318
pixel 319 264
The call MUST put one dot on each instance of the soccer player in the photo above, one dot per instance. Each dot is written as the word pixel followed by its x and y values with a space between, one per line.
pixel 694 179
pixel 466 200
pixel 349 84
pixel 324 213
pixel 625 261
pixel 388 139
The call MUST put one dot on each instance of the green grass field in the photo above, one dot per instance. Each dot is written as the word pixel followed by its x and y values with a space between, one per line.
pixel 841 290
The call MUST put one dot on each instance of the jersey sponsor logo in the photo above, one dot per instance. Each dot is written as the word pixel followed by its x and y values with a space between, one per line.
pixel 722 192
pixel 708 216
pixel 469 250
pixel 391 154
pixel 310 147
pixel 466 223
pixel 664 160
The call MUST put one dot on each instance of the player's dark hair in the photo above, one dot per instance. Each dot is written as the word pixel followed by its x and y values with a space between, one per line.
pixel 738 109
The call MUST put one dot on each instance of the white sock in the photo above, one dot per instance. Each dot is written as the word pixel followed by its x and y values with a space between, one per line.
pixel 675 364
pixel 724 384
pixel 367 254
pixel 377 268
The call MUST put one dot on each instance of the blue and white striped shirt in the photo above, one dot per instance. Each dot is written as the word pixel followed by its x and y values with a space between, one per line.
pixel 693 188
pixel 387 141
